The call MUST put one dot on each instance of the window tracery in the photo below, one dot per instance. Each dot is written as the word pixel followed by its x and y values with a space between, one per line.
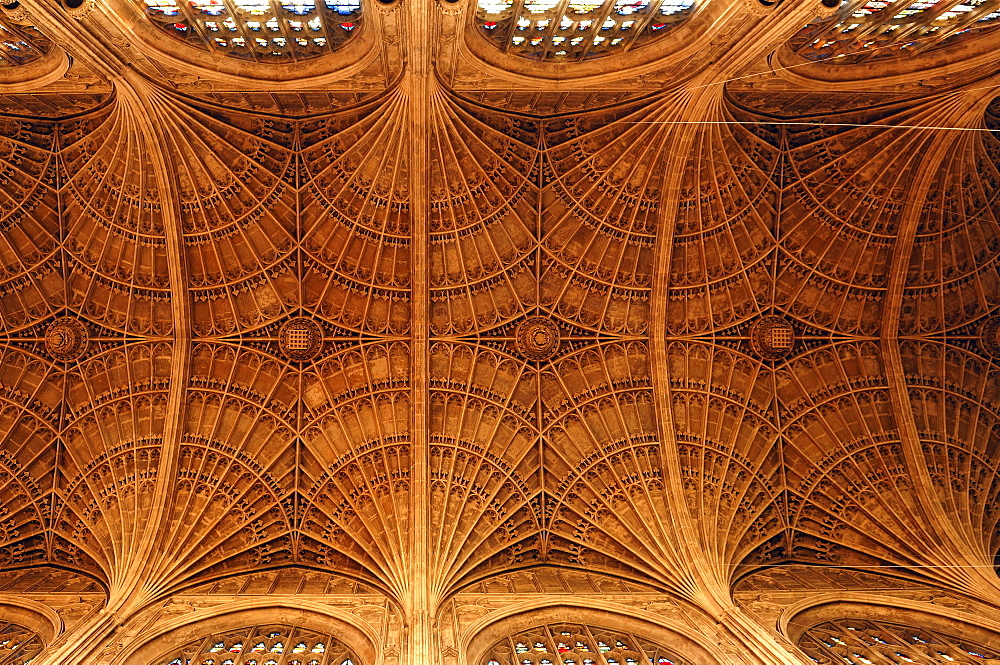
pixel 864 642
pixel 576 644
pixel 19 43
pixel 259 30
pixel 263 645
pixel 870 29
pixel 576 29
pixel 18 645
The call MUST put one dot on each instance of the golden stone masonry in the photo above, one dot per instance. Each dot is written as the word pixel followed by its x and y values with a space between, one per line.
pixel 499 332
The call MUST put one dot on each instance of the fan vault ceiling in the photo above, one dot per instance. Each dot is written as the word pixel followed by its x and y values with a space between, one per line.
pixel 417 319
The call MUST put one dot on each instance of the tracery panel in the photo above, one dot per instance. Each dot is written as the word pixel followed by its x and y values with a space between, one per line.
pixel 483 218
pixel 576 29
pixel 235 175
pixel 259 30
pixel 724 236
pixel 113 217
pixel 728 448
pixel 275 644
pixel 116 404
pixel 869 642
pixel 484 461
pixel 577 644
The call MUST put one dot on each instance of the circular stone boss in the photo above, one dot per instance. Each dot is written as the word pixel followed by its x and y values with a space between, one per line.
pixel 300 339
pixel 537 338
pixel 989 336
pixel 772 337
pixel 66 339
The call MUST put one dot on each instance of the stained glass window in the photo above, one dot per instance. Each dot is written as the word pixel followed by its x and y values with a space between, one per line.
pixel 263 645
pixel 576 644
pixel 576 29
pixel 863 642
pixel 869 29
pixel 260 30
pixel 18 645
pixel 20 43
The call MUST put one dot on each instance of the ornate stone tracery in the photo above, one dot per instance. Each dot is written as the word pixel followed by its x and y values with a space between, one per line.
pixel 404 329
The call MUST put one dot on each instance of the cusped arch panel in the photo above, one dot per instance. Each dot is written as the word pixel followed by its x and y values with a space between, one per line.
pixel 236 189
pixel 952 393
pixel 611 512
pixel 31 284
pixel 354 396
pixel 841 213
pixel 728 448
pixel 112 446
pixel 356 514
pixel 484 516
pixel 596 396
pixel 605 179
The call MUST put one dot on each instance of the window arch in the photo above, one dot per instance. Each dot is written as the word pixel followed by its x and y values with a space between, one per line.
pixel 274 644
pixel 259 30
pixel 864 30
pixel 576 29
pixel 20 43
pixel 18 645
pixel 871 642
pixel 577 644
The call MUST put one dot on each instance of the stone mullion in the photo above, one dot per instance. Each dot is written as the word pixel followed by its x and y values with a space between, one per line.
pixel 958 110
pixel 418 603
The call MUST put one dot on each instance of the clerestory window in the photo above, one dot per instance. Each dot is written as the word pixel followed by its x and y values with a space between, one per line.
pixel 20 42
pixel 864 642
pixel 260 30
pixel 870 29
pixel 576 644
pixel 574 30
pixel 263 645
pixel 18 645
